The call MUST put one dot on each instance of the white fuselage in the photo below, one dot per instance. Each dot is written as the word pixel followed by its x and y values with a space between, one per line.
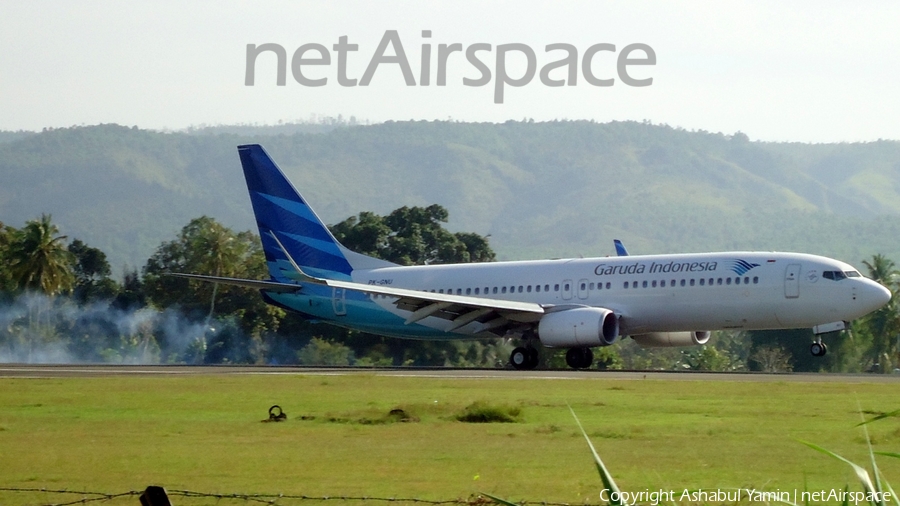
pixel 658 293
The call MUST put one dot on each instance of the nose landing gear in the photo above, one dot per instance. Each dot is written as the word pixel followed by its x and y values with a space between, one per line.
pixel 818 348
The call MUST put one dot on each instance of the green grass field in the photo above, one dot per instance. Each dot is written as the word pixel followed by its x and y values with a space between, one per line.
pixel 204 433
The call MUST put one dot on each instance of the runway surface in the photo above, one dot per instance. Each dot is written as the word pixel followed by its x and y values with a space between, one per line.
pixel 72 371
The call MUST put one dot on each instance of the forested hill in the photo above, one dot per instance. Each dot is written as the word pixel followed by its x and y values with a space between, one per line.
pixel 539 189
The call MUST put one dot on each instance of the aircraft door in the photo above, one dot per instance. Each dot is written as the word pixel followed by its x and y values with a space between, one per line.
pixel 582 289
pixel 567 289
pixel 338 301
pixel 792 281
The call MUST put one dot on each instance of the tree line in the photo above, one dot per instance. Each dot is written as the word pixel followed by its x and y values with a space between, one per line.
pixel 59 302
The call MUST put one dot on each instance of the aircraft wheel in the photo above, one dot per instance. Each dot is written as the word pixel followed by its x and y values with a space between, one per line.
pixel 579 358
pixel 533 358
pixel 520 358
pixel 818 349
pixel 587 360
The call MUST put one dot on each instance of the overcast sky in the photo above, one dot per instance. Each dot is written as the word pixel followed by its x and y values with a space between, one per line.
pixel 783 71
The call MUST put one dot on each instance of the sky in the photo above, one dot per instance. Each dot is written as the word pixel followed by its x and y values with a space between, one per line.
pixel 778 71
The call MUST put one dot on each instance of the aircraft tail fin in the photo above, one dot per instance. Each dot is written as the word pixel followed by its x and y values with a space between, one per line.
pixel 289 229
pixel 620 248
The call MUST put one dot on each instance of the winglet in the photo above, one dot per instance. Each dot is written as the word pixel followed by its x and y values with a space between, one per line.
pixel 300 275
pixel 620 248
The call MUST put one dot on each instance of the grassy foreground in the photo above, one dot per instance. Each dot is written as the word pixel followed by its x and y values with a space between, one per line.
pixel 204 433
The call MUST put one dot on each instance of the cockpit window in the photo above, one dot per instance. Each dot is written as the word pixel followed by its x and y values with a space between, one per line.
pixel 853 274
pixel 835 275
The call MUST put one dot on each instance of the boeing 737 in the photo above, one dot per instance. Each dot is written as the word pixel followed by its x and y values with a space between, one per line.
pixel 578 304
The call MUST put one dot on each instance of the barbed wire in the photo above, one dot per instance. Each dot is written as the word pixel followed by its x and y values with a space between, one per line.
pixel 90 497
pixel 97 496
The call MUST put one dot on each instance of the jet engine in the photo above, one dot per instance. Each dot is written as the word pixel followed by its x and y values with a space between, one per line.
pixel 670 339
pixel 579 327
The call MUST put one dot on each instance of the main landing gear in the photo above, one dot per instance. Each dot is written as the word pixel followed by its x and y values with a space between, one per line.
pixel 818 348
pixel 524 358
pixel 579 358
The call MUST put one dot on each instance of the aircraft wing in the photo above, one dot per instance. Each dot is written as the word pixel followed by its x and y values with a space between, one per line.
pixel 493 315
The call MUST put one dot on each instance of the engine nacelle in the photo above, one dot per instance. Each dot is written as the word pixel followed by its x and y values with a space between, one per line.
pixel 671 339
pixel 579 327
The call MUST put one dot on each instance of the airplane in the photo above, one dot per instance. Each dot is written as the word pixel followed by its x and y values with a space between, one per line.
pixel 576 304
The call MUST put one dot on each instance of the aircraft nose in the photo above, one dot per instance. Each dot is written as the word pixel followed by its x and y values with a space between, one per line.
pixel 877 295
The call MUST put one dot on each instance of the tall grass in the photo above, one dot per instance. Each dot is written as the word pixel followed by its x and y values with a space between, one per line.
pixel 877 491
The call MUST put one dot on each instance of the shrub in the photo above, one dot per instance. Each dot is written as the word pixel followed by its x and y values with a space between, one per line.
pixel 481 412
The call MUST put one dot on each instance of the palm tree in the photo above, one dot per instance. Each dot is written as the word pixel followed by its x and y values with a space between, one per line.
pixel 222 255
pixel 882 270
pixel 38 260
pixel 6 235
pixel 884 324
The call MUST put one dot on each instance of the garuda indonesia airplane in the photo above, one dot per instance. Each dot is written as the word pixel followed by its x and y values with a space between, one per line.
pixel 578 304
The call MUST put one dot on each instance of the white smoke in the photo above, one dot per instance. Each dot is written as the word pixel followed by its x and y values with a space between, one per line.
pixel 36 329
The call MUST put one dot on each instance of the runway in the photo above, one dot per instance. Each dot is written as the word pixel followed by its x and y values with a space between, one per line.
pixel 73 371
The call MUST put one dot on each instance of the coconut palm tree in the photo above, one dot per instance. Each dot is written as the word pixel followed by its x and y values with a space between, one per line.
pixel 6 235
pixel 38 259
pixel 884 324
pixel 883 270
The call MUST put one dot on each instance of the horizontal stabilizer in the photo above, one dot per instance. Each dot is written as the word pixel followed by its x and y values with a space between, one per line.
pixel 271 286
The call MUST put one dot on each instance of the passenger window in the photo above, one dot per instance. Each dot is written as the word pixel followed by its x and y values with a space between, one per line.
pixel 459 291
pixel 441 290
pixel 747 280
pixel 692 282
pixel 727 281
pixel 583 286
pixel 755 280
pixel 556 287
pixel 719 281
pixel 528 289
pixel 591 286
pixel 645 284
pixel 520 288
pixel 537 288
pixel 476 291
pixel 702 282
pixel 495 289
pixel 682 282
pixel 468 291
pixel 503 290
pixel 654 283
pixel 711 281
pixel 546 288
pixel 566 287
